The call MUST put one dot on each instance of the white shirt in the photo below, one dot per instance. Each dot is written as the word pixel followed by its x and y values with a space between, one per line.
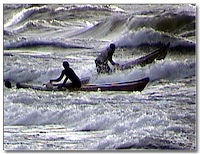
pixel 104 55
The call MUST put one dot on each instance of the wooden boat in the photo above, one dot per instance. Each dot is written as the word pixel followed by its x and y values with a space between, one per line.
pixel 158 54
pixel 138 85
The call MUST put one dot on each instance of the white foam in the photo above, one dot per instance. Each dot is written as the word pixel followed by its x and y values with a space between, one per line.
pixel 21 16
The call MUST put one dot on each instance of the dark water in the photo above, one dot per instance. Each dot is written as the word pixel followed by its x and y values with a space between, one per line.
pixel 38 38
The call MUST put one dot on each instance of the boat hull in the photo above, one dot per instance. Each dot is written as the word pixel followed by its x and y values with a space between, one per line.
pixel 147 59
pixel 138 85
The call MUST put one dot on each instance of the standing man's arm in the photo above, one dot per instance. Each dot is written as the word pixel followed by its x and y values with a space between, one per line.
pixel 111 60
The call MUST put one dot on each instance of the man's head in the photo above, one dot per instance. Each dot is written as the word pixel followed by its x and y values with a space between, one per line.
pixel 112 46
pixel 65 64
pixel 8 84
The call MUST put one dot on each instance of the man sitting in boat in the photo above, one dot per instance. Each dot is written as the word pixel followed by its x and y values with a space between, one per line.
pixel 102 60
pixel 70 74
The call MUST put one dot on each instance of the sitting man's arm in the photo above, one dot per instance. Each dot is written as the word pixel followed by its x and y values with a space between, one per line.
pixel 59 78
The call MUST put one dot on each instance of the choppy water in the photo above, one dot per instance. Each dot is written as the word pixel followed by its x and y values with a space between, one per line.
pixel 38 38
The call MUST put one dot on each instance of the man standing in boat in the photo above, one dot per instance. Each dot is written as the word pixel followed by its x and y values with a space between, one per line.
pixel 102 60
pixel 70 74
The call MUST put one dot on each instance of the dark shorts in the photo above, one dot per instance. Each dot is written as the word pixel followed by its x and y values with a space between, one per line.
pixel 102 67
pixel 76 85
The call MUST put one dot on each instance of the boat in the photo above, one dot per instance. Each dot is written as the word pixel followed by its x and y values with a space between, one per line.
pixel 158 54
pixel 49 86
pixel 137 85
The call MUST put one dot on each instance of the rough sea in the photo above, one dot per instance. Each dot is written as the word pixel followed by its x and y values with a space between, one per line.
pixel 38 38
